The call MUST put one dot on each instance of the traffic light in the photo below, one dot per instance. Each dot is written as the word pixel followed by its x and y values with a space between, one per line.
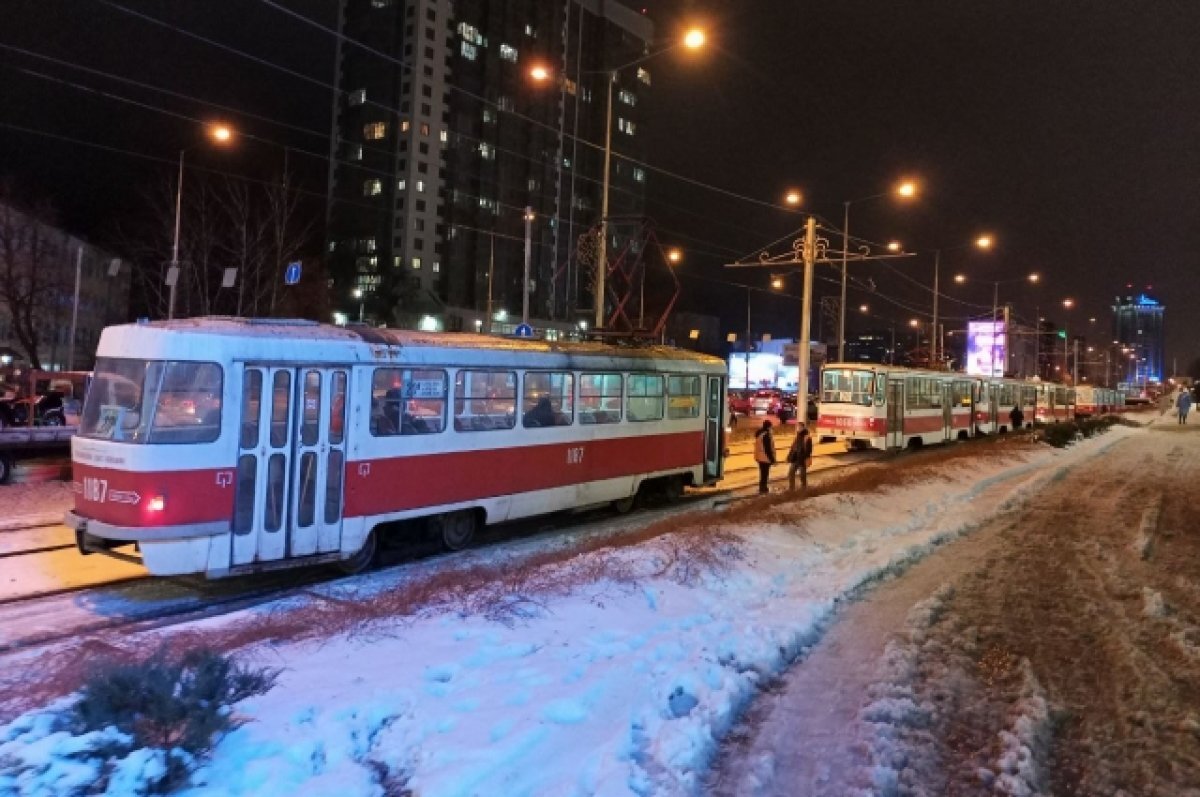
pixel 1062 333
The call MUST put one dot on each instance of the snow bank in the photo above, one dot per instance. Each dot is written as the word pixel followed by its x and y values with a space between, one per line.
pixel 616 689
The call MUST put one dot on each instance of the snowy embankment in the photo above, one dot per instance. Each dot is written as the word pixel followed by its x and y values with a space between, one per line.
pixel 618 677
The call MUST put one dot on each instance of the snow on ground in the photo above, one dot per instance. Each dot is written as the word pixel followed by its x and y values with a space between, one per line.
pixel 623 686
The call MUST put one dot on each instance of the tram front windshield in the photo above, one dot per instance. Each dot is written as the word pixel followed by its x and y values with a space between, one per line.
pixel 153 401
pixel 847 386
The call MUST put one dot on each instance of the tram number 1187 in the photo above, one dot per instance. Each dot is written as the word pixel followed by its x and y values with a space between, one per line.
pixel 575 455
pixel 95 489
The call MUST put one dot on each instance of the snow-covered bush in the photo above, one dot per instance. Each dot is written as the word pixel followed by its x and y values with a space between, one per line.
pixel 136 729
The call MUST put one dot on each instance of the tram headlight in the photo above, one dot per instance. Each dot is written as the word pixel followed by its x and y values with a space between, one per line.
pixel 157 504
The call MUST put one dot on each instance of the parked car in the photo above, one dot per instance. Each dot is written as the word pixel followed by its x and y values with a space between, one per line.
pixel 739 401
pixel 787 410
pixel 766 401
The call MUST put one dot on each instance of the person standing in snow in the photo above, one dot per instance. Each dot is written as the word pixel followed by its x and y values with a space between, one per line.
pixel 800 457
pixel 1017 417
pixel 764 455
pixel 1183 404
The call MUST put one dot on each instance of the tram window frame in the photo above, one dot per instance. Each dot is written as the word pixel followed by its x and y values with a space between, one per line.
pixel 557 388
pixel 642 404
pixel 688 405
pixel 419 409
pixel 602 388
pixel 146 392
pixel 498 400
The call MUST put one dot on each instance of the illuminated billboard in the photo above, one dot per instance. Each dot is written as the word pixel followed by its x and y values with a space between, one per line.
pixel 986 348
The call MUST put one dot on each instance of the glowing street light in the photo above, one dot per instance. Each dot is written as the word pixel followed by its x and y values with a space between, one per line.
pixel 906 189
pixel 675 255
pixel 220 134
pixel 793 198
pixel 895 246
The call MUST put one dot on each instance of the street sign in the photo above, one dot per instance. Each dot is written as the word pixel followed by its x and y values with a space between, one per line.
pixel 229 278
pixel 523 331
pixel 292 274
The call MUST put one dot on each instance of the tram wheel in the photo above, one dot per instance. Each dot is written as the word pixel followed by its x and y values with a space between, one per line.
pixel 456 529
pixel 625 505
pixel 364 558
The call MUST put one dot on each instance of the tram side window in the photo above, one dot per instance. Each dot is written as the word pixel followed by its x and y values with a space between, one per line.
pixel 645 397
pixel 407 401
pixel 484 401
pixel 923 394
pixel 548 400
pixel 960 393
pixel 683 397
pixel 599 398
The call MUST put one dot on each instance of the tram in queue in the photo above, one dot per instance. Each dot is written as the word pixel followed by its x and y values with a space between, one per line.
pixel 865 405
pixel 1091 400
pixel 225 445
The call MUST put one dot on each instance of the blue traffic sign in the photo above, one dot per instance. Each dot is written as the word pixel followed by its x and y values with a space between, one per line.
pixel 291 274
pixel 523 331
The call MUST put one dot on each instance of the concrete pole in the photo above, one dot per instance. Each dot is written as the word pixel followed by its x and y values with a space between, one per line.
pixel 491 272
pixel 810 258
pixel 937 265
pixel 842 306
pixel 747 337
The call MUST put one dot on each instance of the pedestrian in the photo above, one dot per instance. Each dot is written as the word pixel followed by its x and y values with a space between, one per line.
pixel 800 457
pixel 764 455
pixel 732 418
pixel 1017 417
pixel 1183 404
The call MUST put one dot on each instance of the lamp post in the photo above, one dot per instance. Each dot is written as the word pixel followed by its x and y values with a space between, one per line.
pixel 907 190
pixel 358 294
pixel 694 39
pixel 222 134
pixel 982 242
pixel 525 280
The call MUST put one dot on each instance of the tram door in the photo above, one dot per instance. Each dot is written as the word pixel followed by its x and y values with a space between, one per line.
pixel 895 413
pixel 947 411
pixel 713 429
pixel 291 463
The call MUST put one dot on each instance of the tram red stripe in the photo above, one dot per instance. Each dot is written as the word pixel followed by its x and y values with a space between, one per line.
pixel 410 482
pixel 123 498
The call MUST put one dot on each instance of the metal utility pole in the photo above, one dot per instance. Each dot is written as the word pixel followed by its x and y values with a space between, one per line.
pixel 174 273
pixel 937 265
pixel 802 353
pixel 75 308
pixel 1037 343
pixel 747 337
pixel 525 282
pixel 1075 364
pixel 491 272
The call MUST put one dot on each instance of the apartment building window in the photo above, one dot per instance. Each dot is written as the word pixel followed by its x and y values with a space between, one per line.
pixel 401 184
pixel 380 3
pixel 420 186
pixel 586 95
pixel 358 96
pixel 372 188
pixel 419 226
pixel 429 34
pixel 571 86
pixel 437 267
pixel 424 128
pixel 531 184
pixel 420 205
pixel 504 103
pixel 628 97
pixel 489 116
pixel 643 76
pixel 427 91
pixel 508 53
pixel 416 261
pixel 468 51
pixel 426 110
pixel 404 125
pixel 366 244
pixel 530 31
pixel 470 33
pixel 443 136
pixel 355 153
pixel 431 14
pixel 373 131
pixel 422 167
pixel 625 126
pixel 639 174
pixel 486 152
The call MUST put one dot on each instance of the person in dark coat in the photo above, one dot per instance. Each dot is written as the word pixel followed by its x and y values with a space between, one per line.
pixel 799 457
pixel 1017 417
pixel 542 413
pixel 764 455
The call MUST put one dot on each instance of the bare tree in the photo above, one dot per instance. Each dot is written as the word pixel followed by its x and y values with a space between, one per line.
pixel 227 223
pixel 33 286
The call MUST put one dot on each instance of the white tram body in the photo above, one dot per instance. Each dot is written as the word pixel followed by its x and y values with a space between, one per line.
pixel 886 407
pixel 226 446
pixel 1091 400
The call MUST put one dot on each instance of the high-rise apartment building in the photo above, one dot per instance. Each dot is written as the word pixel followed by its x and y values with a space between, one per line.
pixel 1138 326
pixel 442 139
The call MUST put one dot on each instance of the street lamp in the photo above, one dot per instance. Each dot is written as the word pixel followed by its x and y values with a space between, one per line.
pixel 906 189
pixel 221 134
pixel 693 39
pixel 982 242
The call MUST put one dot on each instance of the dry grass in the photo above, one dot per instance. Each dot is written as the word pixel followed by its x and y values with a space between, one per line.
pixel 683 548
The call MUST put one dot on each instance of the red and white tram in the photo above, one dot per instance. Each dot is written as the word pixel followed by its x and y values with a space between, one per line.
pixel 1091 400
pixel 883 406
pixel 225 446
pixel 886 406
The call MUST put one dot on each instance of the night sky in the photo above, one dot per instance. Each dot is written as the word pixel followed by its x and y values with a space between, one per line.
pixel 1070 131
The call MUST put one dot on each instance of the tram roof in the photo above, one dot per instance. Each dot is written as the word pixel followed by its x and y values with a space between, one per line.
pixel 356 337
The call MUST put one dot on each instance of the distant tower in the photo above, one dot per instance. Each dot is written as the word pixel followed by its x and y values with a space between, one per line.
pixel 1138 324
